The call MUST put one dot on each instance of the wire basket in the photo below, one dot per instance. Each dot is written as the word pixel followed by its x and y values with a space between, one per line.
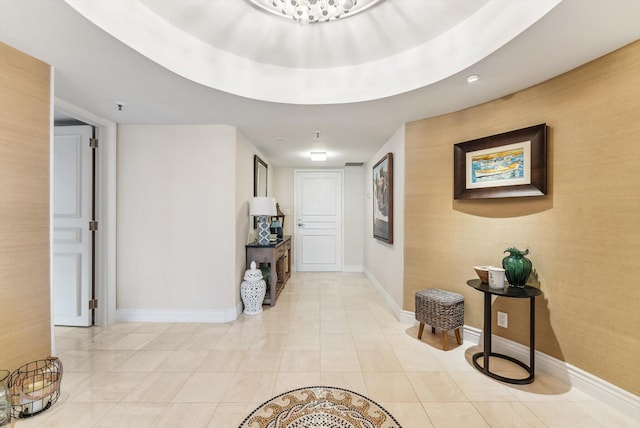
pixel 34 387
pixel 5 399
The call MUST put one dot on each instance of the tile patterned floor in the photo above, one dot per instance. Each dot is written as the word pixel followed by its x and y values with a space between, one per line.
pixel 327 329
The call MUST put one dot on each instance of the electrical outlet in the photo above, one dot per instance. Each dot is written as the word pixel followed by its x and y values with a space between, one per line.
pixel 503 319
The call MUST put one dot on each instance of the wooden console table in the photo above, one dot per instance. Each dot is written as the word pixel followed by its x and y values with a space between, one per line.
pixel 278 256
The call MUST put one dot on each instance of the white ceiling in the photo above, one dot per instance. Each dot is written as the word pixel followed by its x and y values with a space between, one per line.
pixel 96 69
pixel 384 31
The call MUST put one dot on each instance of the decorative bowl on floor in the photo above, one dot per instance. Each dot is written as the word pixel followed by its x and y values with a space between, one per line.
pixel 483 273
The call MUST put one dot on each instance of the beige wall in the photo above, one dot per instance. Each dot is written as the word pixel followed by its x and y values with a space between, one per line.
pixel 25 118
pixel 584 235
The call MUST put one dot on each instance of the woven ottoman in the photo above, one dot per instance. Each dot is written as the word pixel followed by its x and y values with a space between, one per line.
pixel 440 309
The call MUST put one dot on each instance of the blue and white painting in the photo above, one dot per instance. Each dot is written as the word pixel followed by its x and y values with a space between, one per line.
pixel 499 166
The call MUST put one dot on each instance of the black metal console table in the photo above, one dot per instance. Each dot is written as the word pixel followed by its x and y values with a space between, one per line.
pixel 514 292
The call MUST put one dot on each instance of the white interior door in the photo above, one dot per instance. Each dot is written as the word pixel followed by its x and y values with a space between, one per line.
pixel 72 212
pixel 318 226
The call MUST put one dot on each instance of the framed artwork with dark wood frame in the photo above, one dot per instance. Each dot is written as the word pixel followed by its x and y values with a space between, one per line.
pixel 383 199
pixel 505 165
pixel 260 171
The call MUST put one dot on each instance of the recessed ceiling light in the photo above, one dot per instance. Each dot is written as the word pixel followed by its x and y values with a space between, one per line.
pixel 473 78
pixel 318 156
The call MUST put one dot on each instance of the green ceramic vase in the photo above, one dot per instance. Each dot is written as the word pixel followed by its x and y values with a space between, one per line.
pixel 517 267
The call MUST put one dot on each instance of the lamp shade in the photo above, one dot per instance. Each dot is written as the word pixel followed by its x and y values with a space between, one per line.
pixel 262 205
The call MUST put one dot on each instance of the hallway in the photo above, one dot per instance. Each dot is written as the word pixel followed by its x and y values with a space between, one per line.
pixel 329 329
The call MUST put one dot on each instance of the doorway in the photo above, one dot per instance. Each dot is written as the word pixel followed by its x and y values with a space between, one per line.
pixel 74 226
pixel 318 220
pixel 104 183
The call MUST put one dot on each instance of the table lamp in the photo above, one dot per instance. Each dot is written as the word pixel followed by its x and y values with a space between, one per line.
pixel 261 207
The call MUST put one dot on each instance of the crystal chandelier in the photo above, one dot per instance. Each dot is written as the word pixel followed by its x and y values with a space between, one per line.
pixel 314 11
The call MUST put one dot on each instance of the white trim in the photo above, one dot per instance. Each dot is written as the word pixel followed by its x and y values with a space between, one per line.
pixel 598 388
pixel 106 210
pixel 395 308
pixel 408 317
pixel 51 293
pixel 352 268
pixel 171 315
pixel 594 386
pixel 464 45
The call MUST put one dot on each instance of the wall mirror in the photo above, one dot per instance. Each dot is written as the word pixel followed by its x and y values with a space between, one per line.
pixel 259 180
pixel 259 177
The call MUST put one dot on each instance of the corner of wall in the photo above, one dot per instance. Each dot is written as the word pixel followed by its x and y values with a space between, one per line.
pixel 385 262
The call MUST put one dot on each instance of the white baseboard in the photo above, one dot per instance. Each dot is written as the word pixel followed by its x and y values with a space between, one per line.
pixel 352 268
pixel 407 317
pixel 397 310
pixel 171 315
pixel 600 389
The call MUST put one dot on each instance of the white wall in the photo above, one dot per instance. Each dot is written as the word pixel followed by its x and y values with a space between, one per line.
pixel 244 192
pixel 384 263
pixel 354 217
pixel 283 192
pixel 175 189
pixel 176 184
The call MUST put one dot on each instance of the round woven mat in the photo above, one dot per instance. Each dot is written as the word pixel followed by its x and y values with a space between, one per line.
pixel 320 407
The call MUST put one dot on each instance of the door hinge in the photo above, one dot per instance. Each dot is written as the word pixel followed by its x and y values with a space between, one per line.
pixel 93 226
pixel 93 143
pixel 93 304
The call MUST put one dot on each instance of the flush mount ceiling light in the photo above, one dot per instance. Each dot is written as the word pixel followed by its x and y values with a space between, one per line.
pixel 473 78
pixel 314 11
pixel 316 149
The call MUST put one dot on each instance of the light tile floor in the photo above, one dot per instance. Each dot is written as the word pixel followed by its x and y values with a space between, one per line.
pixel 329 329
